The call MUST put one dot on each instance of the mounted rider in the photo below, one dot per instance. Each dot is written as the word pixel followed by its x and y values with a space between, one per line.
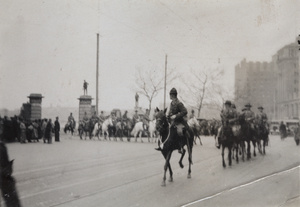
pixel 192 114
pixel 85 119
pixel 177 117
pixel 249 115
pixel 146 120
pixel 124 117
pixel 95 118
pixel 71 120
pixel 262 118
pixel 228 117
pixel 101 117
pixel 136 117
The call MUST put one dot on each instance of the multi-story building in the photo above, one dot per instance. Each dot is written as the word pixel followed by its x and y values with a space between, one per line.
pixel 286 62
pixel 274 85
pixel 254 84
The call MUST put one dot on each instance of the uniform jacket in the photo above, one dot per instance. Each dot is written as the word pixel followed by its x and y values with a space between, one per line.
pixel 177 108
pixel 249 116
pixel 261 117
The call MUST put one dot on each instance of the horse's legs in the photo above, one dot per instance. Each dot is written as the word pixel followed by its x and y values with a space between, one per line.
pixel 181 158
pixel 229 154
pixel 243 150
pixel 254 146
pixel 237 152
pixel 259 145
pixel 167 163
pixel 190 163
pixel 200 140
pixel 171 173
pixel 223 160
pixel 248 149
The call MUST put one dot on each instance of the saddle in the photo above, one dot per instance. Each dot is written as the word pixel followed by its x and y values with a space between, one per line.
pixel 236 130
pixel 179 127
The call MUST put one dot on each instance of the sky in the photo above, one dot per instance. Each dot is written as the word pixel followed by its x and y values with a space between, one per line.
pixel 49 46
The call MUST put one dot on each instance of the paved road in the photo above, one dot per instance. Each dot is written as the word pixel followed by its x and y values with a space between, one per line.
pixel 77 172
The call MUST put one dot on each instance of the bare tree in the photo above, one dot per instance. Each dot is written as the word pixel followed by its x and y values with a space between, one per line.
pixel 200 87
pixel 150 82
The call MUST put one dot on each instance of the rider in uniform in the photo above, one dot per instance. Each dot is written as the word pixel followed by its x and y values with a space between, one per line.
pixel 101 117
pixel 95 118
pixel 124 117
pixel 136 117
pixel 71 118
pixel 176 116
pixel 228 117
pixel 262 119
pixel 146 120
pixel 192 114
pixel 249 115
pixel 85 118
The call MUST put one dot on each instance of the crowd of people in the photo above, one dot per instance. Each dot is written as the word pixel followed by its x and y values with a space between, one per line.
pixel 17 129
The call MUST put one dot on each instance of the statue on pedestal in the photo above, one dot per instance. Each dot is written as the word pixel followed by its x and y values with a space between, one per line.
pixel 85 85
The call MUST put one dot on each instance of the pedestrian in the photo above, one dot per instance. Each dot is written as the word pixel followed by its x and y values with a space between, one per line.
pixel 43 128
pixel 23 131
pixel 282 130
pixel 56 129
pixel 49 131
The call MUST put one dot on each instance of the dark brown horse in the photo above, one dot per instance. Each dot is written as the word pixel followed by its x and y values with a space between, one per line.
pixel 169 138
pixel 7 182
pixel 262 135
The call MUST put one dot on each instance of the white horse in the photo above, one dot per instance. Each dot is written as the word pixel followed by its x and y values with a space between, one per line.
pixel 97 129
pixel 138 129
pixel 195 126
pixel 108 122
pixel 152 130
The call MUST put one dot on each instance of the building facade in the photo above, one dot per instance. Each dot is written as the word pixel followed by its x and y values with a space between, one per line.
pixel 286 62
pixel 274 85
pixel 255 84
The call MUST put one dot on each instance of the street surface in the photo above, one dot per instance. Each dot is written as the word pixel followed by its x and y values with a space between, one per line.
pixel 94 173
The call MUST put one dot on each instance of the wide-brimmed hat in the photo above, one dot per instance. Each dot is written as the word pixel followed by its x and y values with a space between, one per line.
pixel 260 107
pixel 173 91
pixel 227 102
pixel 248 105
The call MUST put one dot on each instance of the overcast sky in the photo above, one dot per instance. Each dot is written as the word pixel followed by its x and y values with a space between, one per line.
pixel 49 46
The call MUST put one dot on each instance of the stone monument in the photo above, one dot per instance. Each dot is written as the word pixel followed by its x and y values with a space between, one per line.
pixel 35 100
pixel 85 105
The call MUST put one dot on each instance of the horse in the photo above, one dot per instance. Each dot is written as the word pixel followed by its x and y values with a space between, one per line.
pixel 86 127
pixel 215 128
pixel 7 181
pixel 127 128
pixel 169 138
pixel 70 126
pixel 138 130
pixel 152 130
pixel 97 129
pixel 248 136
pixel 262 135
pixel 195 126
pixel 119 130
pixel 106 127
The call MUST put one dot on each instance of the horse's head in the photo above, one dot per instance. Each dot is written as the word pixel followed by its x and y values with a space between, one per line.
pixel 161 121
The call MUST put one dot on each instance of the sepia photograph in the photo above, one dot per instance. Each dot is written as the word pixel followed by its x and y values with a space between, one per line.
pixel 149 103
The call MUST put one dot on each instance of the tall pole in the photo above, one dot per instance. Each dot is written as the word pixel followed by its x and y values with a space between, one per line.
pixel 166 61
pixel 97 75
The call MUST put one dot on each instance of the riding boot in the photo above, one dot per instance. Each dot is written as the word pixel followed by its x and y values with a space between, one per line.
pixel 158 148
